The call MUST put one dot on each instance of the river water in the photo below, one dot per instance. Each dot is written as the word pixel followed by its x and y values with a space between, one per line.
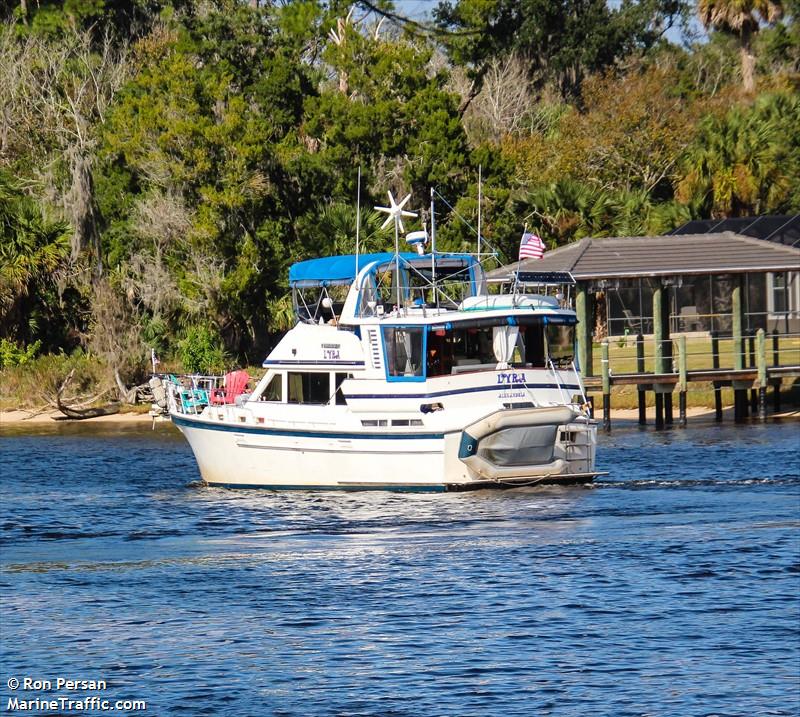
pixel 671 587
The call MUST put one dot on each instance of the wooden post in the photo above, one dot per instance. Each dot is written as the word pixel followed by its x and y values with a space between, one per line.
pixel 776 360
pixel 658 338
pixel 606 373
pixel 682 379
pixel 736 309
pixel 776 385
pixel 737 306
pixel 761 358
pixel 663 348
pixel 659 411
pixel 583 309
pixel 642 391
pixel 717 388
pixel 658 328
pixel 751 364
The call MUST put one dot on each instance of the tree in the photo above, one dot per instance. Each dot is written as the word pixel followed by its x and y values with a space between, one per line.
pixel 629 136
pixel 745 162
pixel 34 252
pixel 740 18
pixel 560 42
pixel 62 92
pixel 209 122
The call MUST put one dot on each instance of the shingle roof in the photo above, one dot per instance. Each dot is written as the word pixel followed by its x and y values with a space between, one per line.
pixel 716 253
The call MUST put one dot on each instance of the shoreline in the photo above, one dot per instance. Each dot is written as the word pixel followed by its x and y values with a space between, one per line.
pixel 19 418
pixel 27 418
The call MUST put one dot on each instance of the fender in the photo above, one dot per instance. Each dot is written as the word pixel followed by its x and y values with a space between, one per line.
pixel 513 418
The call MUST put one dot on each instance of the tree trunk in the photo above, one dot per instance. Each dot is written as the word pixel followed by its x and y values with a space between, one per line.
pixel 748 60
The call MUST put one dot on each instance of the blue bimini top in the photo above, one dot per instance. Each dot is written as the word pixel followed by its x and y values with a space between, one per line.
pixel 333 270
pixel 338 270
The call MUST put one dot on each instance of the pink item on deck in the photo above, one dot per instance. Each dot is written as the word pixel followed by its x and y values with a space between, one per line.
pixel 235 385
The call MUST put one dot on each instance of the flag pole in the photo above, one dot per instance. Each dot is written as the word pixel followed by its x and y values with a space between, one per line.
pixel 519 260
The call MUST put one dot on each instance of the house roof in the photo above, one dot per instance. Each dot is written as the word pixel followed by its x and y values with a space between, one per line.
pixel 779 228
pixel 676 254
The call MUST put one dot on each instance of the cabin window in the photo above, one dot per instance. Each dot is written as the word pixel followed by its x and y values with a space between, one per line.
pixel 560 343
pixel 340 379
pixel 457 350
pixel 404 352
pixel 309 387
pixel 529 350
pixel 274 389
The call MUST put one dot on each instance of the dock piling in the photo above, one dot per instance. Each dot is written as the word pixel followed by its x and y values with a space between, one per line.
pixel 776 384
pixel 606 373
pixel 682 380
pixel 659 411
pixel 717 388
pixel 753 391
pixel 761 359
pixel 737 316
pixel 642 390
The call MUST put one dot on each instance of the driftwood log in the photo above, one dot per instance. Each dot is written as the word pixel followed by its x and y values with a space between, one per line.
pixel 81 410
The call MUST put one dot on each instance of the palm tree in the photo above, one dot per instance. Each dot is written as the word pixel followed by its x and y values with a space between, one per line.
pixel 33 249
pixel 740 18
pixel 745 162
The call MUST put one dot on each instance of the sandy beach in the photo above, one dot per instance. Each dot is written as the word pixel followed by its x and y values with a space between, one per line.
pixel 18 418
pixel 22 418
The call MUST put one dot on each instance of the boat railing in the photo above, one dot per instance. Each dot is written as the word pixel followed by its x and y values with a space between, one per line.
pixel 191 393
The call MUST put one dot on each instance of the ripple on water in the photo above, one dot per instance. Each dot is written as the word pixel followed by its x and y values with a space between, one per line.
pixel 669 588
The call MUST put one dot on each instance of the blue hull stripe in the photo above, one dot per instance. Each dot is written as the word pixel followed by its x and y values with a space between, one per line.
pixel 393 488
pixel 254 430
pixel 292 362
pixel 455 392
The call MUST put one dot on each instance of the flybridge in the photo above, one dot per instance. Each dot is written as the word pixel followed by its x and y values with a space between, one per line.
pixel 378 284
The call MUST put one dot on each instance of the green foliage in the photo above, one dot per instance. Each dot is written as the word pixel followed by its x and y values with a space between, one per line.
pixel 33 251
pixel 12 354
pixel 233 146
pixel 745 162
pixel 201 351
pixel 35 383
pixel 563 42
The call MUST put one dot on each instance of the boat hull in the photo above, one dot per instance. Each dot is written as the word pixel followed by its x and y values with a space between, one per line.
pixel 243 456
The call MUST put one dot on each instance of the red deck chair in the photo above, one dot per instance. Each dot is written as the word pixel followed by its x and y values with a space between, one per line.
pixel 235 385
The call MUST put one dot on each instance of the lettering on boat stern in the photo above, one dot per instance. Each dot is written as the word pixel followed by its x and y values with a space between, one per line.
pixel 510 378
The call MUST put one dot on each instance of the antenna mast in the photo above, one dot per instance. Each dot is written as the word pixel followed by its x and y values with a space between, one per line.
pixel 358 218
pixel 479 211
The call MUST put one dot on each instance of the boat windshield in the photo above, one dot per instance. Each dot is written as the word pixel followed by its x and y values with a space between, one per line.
pixel 560 343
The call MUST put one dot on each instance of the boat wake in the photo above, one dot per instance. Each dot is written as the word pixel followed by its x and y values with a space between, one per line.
pixel 711 482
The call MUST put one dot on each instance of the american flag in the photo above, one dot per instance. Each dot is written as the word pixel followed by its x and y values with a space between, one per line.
pixel 531 247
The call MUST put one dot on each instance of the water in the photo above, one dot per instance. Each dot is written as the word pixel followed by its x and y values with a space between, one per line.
pixel 672 587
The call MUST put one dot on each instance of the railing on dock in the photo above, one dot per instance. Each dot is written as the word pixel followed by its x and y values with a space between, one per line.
pixel 750 363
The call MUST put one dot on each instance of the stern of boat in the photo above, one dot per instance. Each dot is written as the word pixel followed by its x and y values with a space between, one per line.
pixel 529 446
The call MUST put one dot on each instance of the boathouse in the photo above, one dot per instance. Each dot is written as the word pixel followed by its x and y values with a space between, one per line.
pixel 696 280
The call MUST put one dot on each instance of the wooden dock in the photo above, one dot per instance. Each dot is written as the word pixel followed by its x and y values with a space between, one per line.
pixel 754 379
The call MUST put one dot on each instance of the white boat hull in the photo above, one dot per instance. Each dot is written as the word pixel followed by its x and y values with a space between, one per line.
pixel 246 456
